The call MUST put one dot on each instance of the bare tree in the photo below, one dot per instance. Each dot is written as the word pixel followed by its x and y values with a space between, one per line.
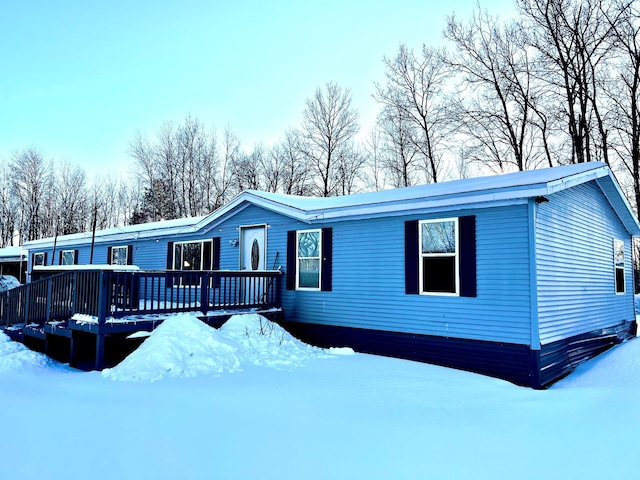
pixel 496 103
pixel 31 187
pixel 183 171
pixel 329 124
pixel 8 207
pixel 399 158
pixel 573 39
pixel 374 153
pixel 69 189
pixel 412 99
pixel 624 91
pixel 248 169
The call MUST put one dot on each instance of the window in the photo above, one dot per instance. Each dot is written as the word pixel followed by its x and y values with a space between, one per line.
pixel 308 259
pixel 192 255
pixel 39 259
pixel 618 261
pixel 119 255
pixel 68 257
pixel 439 256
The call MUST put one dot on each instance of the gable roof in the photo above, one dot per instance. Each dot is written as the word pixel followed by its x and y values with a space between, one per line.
pixel 473 192
pixel 477 192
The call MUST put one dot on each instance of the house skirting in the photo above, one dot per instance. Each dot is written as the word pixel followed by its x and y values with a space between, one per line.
pixel 515 363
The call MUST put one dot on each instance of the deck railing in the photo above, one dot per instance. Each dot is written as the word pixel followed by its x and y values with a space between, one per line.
pixel 104 294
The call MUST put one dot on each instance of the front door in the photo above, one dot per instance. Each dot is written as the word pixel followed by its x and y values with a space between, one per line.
pixel 253 256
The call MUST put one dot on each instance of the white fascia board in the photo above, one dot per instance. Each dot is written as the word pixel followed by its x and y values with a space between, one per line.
pixel 577 179
pixel 621 206
pixel 216 217
pixel 494 199
pixel 85 237
pixel 287 210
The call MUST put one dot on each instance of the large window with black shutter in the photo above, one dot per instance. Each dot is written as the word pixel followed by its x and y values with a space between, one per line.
pixel 440 256
pixel 309 259
pixel 68 257
pixel 120 255
pixel 192 255
pixel 39 259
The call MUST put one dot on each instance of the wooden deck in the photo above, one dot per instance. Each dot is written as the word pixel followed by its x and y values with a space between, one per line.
pixel 74 316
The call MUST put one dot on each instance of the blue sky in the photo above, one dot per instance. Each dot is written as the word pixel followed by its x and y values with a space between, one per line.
pixel 80 78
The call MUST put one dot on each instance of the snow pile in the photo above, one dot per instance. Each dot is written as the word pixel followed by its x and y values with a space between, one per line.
pixel 16 357
pixel 183 346
pixel 266 343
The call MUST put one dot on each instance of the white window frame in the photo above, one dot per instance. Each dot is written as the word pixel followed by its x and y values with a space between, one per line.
pixel 173 259
pixel 319 257
pixel 456 255
pixel 73 257
pixel 617 242
pixel 126 254
pixel 36 255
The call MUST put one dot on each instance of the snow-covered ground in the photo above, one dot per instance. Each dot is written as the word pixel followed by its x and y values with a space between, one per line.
pixel 250 402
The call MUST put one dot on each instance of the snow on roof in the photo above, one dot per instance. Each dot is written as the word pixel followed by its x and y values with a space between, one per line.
pixel 458 188
pixel 12 254
pixel 127 233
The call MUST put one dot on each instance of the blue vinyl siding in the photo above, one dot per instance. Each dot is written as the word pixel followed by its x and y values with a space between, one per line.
pixel 369 286
pixel 574 237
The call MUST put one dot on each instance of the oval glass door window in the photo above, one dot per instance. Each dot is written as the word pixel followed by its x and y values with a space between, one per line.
pixel 255 254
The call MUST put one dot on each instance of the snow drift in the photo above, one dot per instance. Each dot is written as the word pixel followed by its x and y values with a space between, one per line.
pixel 15 356
pixel 183 346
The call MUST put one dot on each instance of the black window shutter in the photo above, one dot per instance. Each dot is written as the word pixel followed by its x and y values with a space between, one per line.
pixel 60 257
pixel 45 258
pixel 129 254
pixel 109 251
pixel 170 256
pixel 75 257
pixel 215 259
pixel 467 240
pixel 206 255
pixel 291 260
pixel 411 257
pixel 169 276
pixel 327 262
pixel 215 256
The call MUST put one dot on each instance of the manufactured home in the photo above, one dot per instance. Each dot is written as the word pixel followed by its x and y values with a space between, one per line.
pixel 519 276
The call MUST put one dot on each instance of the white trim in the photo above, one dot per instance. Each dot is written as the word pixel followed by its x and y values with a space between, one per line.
pixel 242 228
pixel 456 256
pixel 319 287
pixel 173 255
pixel 73 259
pixel 616 268
pixel 43 264
pixel 126 254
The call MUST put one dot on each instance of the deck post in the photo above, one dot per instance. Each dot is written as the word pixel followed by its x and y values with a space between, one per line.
pixel 204 293
pixel 99 351
pixel 103 298
pixel 74 293
pixel 73 346
pixel 48 307
pixel 27 302
pixel 278 291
